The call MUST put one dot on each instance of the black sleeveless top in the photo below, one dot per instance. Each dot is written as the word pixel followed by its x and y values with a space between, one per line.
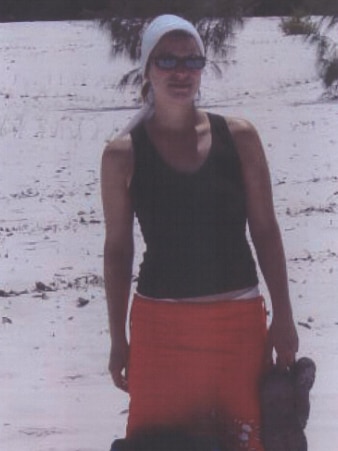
pixel 193 224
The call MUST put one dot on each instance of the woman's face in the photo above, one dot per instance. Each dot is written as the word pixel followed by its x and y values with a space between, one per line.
pixel 179 84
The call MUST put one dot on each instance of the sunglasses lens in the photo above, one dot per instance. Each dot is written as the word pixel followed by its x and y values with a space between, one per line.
pixel 166 62
pixel 196 62
pixel 172 62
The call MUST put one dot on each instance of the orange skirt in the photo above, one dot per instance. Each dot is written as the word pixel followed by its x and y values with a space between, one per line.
pixel 198 366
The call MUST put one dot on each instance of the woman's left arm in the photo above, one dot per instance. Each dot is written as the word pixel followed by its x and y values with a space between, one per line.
pixel 267 240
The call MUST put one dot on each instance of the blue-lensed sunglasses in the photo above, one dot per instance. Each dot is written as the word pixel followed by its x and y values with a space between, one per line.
pixel 172 62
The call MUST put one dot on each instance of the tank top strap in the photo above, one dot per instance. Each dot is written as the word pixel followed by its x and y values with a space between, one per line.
pixel 220 129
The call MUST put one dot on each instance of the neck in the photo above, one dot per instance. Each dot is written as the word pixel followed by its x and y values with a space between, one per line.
pixel 175 118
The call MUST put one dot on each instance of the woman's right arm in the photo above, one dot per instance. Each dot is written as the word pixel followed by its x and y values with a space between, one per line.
pixel 116 172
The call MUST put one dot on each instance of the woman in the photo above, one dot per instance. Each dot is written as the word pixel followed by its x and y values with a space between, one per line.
pixel 199 343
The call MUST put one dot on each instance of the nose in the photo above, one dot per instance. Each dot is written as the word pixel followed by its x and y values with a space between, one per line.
pixel 181 69
pixel 180 66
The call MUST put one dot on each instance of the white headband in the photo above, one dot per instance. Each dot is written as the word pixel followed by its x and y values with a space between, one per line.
pixel 160 26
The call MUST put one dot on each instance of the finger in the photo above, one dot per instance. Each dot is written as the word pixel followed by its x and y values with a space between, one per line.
pixel 120 381
pixel 126 371
pixel 268 352
pixel 285 361
pixel 281 364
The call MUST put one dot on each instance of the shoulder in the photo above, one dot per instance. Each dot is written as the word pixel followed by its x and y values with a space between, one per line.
pixel 241 129
pixel 117 156
pixel 118 150
pixel 246 139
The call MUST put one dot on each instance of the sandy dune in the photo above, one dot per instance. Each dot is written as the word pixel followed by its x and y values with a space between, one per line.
pixel 59 105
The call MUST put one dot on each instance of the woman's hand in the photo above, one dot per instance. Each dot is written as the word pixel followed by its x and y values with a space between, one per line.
pixel 118 364
pixel 283 338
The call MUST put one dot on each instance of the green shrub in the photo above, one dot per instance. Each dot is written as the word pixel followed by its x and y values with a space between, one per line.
pixel 298 25
pixel 330 77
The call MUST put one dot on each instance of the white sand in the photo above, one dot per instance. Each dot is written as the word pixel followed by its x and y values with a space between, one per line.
pixel 59 104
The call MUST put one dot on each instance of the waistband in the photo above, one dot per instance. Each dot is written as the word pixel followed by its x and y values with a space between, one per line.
pixel 236 295
pixel 200 311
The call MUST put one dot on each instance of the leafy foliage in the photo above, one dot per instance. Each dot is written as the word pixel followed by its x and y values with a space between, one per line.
pixel 327 61
pixel 214 19
pixel 330 77
pixel 297 24
pixel 328 9
pixel 302 23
